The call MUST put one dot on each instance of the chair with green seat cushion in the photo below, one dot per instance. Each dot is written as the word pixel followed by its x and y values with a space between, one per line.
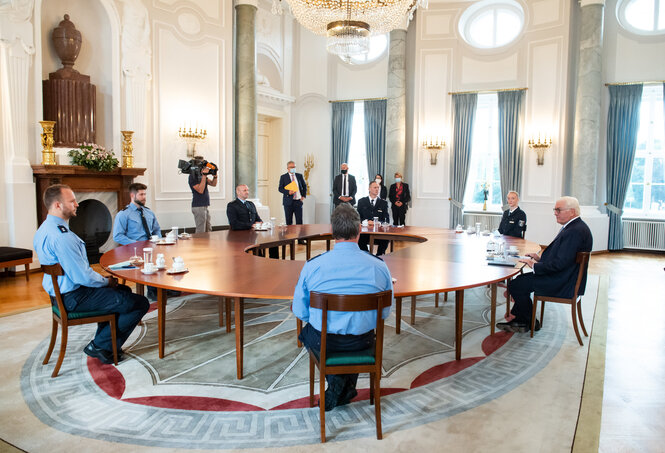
pixel 72 319
pixel 364 361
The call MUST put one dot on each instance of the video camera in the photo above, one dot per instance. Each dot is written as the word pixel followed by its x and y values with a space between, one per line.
pixel 196 166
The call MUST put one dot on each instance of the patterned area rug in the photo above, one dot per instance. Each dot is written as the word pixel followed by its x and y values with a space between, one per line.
pixel 192 399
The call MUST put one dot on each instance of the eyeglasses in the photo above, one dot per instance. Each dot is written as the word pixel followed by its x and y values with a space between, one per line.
pixel 558 210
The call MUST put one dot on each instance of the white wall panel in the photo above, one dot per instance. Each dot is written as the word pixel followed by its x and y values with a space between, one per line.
pixel 476 71
pixel 546 12
pixel 313 68
pixel 437 24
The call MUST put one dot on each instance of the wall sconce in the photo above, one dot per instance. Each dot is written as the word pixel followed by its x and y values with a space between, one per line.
pixel 192 137
pixel 540 146
pixel 433 145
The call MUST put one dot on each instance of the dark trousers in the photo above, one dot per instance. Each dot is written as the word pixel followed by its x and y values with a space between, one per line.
pixel 311 338
pixel 294 208
pixel 520 288
pixel 399 214
pixel 382 244
pixel 129 307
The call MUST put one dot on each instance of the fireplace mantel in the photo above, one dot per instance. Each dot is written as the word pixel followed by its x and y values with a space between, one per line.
pixel 81 179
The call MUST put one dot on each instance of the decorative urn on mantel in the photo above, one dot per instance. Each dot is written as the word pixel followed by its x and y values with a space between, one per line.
pixel 69 97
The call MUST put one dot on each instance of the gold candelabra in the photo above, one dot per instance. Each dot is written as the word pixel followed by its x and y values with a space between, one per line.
pixel 127 149
pixel 309 164
pixel 48 155
pixel 434 145
pixel 192 137
pixel 540 146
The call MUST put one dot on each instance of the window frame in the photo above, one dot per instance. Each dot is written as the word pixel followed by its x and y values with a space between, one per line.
pixel 472 13
pixel 626 25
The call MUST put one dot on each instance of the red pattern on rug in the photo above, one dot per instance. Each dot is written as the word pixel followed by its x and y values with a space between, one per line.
pixel 444 370
pixel 193 403
pixel 494 342
pixel 303 403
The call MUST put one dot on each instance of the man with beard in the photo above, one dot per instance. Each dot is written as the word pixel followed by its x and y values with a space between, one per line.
pixel 82 289
pixel 136 222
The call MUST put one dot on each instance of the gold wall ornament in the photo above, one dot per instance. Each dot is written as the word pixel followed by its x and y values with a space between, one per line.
pixel 48 155
pixel 309 164
pixel 540 145
pixel 434 145
pixel 127 149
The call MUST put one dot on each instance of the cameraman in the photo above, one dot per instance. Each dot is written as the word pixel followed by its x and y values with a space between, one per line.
pixel 199 182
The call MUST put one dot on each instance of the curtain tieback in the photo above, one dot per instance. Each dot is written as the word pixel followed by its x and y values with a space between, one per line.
pixel 614 209
pixel 456 203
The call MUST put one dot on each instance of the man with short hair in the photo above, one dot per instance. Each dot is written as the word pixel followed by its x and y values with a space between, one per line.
pixel 370 207
pixel 513 221
pixel 242 214
pixel 136 222
pixel 292 200
pixel 344 187
pixel 344 270
pixel 198 183
pixel 82 289
pixel 555 271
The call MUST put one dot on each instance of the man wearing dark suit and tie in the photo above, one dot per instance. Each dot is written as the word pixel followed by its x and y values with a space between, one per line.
pixel 555 271
pixel 292 200
pixel 344 187
pixel 370 207
pixel 242 214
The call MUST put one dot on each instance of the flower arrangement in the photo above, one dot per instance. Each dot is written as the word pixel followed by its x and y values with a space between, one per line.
pixel 94 157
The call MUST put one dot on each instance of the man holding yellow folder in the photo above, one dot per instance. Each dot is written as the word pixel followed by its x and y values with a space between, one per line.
pixel 294 190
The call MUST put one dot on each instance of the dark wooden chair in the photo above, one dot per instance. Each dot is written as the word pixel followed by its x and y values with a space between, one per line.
pixel 366 361
pixel 65 319
pixel 575 302
pixel 13 256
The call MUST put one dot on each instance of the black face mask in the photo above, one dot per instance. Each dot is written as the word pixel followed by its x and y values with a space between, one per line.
pixel 344 171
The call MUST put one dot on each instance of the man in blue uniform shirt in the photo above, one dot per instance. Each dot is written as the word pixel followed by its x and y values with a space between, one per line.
pixel 555 270
pixel 82 288
pixel 136 222
pixel 513 221
pixel 344 270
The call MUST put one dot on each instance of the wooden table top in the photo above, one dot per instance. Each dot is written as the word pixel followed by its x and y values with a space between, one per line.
pixel 219 264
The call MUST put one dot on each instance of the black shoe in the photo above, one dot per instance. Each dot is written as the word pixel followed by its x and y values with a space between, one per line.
pixel 100 354
pixel 347 396
pixel 333 395
pixel 516 326
pixel 537 328
pixel 172 293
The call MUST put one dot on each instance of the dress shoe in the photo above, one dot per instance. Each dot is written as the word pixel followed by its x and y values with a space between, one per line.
pixel 516 326
pixel 103 356
pixel 347 396
pixel 333 394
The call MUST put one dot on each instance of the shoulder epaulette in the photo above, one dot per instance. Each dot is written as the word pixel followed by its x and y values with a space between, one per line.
pixel 63 229
pixel 315 257
pixel 373 256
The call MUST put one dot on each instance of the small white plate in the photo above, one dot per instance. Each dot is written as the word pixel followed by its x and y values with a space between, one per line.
pixel 173 271
pixel 148 273
pixel 161 268
pixel 165 242
pixel 184 235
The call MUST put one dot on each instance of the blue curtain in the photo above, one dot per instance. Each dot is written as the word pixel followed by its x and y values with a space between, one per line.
pixel 464 114
pixel 375 136
pixel 623 121
pixel 511 143
pixel 342 123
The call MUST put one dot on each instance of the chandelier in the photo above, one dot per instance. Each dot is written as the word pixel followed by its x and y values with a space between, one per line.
pixel 348 24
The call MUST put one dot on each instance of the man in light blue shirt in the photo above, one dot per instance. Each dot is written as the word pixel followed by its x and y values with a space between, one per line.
pixel 82 289
pixel 344 270
pixel 136 222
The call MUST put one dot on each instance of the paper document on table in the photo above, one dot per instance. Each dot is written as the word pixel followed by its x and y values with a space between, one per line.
pixel 122 265
pixel 291 186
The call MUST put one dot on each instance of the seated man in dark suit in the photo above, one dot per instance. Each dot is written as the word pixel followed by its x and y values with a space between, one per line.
pixel 513 221
pixel 242 214
pixel 368 208
pixel 555 271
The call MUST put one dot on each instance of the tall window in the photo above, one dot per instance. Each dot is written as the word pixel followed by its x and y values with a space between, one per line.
pixel 484 167
pixel 357 151
pixel 646 192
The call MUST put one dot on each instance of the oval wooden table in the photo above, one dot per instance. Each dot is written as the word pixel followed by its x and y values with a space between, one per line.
pixel 226 264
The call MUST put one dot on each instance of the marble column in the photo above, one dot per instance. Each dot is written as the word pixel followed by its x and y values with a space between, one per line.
pixel 586 141
pixel 245 96
pixel 396 106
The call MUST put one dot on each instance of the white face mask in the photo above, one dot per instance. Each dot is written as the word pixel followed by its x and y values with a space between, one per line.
pixel 398 179
pixel 378 181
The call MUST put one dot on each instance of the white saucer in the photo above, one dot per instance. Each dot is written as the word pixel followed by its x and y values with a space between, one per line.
pixel 148 273
pixel 173 271
pixel 161 268
pixel 184 235
pixel 165 242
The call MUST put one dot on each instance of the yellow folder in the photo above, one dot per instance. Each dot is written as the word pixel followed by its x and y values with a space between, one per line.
pixel 291 186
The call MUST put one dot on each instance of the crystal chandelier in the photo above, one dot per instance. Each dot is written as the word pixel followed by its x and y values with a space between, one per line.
pixel 348 24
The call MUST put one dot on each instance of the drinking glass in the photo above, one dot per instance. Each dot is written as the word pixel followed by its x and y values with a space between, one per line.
pixel 147 255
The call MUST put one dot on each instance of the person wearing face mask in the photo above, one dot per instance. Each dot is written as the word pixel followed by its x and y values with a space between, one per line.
pixel 399 196
pixel 293 197
pixel 383 191
pixel 344 187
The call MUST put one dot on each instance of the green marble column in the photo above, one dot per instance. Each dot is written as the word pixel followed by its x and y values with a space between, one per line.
pixel 396 106
pixel 245 96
